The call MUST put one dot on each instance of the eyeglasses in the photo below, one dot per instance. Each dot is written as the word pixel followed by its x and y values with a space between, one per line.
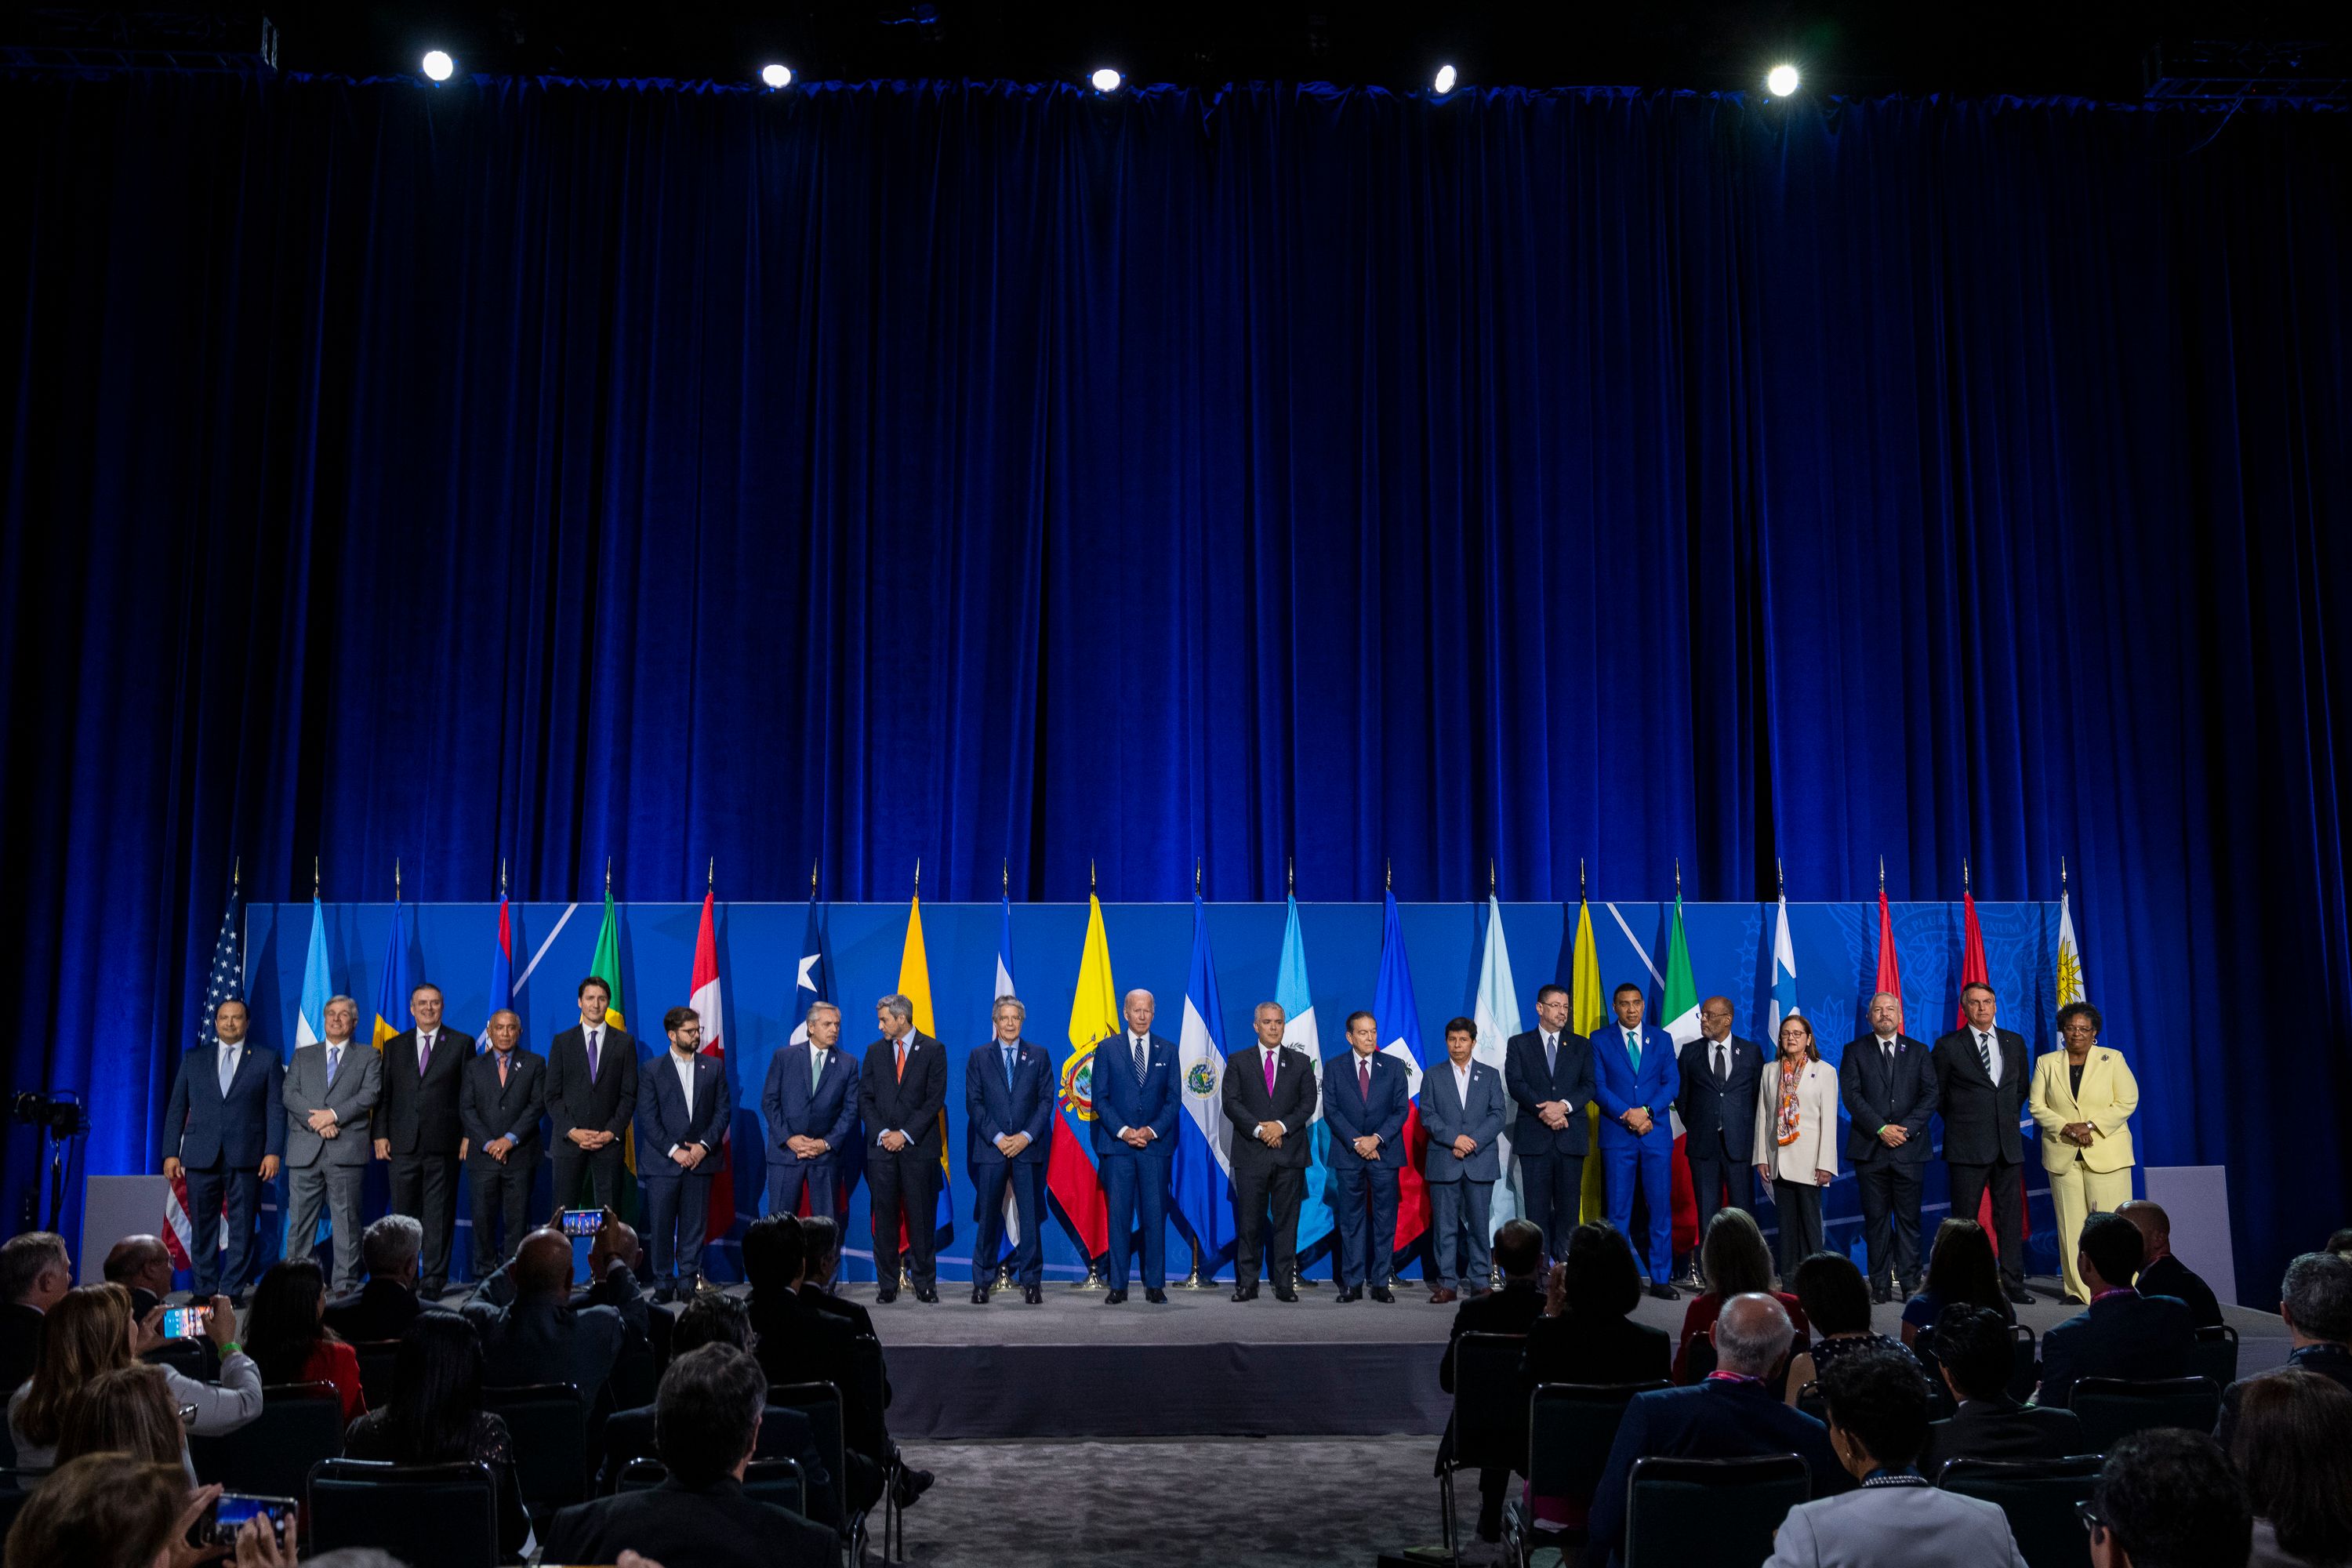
pixel 2091 1522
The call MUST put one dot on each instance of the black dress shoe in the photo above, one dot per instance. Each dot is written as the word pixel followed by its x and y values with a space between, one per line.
pixel 1665 1293
pixel 1156 1296
pixel 2021 1295
pixel 666 1293
pixel 1382 1293
pixel 1034 1294
pixel 909 1487
pixel 1880 1295
pixel 980 1295
pixel 927 1295
pixel 1352 1293
pixel 1285 1293
pixel 883 1298
pixel 1116 1299
pixel 1245 1292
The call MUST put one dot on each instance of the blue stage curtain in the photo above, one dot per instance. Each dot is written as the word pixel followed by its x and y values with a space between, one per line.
pixel 554 471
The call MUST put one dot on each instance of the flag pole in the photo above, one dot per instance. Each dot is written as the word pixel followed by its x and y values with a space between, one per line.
pixel 314 877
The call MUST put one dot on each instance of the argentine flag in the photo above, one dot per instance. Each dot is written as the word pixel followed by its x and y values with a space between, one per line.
pixel 310 1023
pixel 1204 1176
pixel 1292 995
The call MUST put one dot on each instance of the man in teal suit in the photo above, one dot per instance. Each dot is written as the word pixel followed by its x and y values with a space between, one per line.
pixel 1635 1080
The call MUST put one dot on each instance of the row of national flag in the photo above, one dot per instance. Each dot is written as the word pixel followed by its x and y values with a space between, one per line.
pixel 1202 1169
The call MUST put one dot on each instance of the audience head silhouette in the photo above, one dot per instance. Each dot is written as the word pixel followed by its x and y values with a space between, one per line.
pixel 2291 1444
pixel 2112 1252
pixel 2315 1299
pixel 2168 1499
pixel 1733 1259
pixel 102 1510
pixel 1752 1334
pixel 436 1387
pixel 128 1410
pixel 88 1332
pixel 1518 1249
pixel 822 1234
pixel 1601 1278
pixel 543 1265
pixel 775 1253
pixel 708 1414
pixel 1976 1350
pixel 1878 1410
pixel 712 1318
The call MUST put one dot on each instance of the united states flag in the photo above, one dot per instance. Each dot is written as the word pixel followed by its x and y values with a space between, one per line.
pixel 225 984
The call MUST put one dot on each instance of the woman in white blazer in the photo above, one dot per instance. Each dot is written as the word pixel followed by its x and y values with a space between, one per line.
pixel 2083 1098
pixel 1796 1139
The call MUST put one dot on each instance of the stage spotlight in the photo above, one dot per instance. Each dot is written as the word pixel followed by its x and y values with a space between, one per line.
pixel 1781 81
pixel 438 65
pixel 1445 84
pixel 1105 79
pixel 776 75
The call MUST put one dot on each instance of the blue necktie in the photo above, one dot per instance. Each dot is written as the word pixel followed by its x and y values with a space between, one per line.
pixel 1008 1067
pixel 1633 1048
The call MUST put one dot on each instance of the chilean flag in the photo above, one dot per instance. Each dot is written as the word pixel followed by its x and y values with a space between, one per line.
pixel 706 1005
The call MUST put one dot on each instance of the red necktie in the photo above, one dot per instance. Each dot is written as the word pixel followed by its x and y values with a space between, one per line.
pixel 902 1061
pixel 1364 1077
pixel 1269 1072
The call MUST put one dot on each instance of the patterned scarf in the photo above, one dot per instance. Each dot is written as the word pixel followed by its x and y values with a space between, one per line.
pixel 1790 1077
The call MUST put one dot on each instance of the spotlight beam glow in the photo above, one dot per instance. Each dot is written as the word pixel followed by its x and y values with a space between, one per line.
pixel 1781 81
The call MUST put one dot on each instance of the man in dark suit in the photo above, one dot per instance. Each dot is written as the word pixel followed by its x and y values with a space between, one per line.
pixel 821 1250
pixel 902 1091
pixel 419 1131
pixel 2163 1273
pixel 1513 1309
pixel 592 1098
pixel 2315 1303
pixel 35 1272
pixel 1982 1072
pixel 383 1307
pixel 682 1118
pixel 1973 1353
pixel 811 1102
pixel 1889 1090
pixel 1009 1089
pixel 1269 1097
pixel 143 1266
pixel 1134 1139
pixel 1364 1105
pixel 224 1131
pixel 708 1424
pixel 1725 1416
pixel 1717 1105
pixel 2121 1334
pixel 540 1336
pixel 499 1103
pixel 1548 1071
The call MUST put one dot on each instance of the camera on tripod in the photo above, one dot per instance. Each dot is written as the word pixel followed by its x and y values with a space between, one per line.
pixel 62 1114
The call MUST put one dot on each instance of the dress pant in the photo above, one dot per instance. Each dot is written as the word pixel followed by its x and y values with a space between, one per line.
pixel 1456 1209
pixel 906 1181
pixel 1258 1190
pixel 678 1210
pixel 992 1181
pixel 588 1178
pixel 1553 1186
pixel 1646 1163
pixel 2006 1183
pixel 337 1189
pixel 1712 1175
pixel 1364 1205
pixel 1890 1219
pixel 1135 1194
pixel 1800 1206
pixel 787 1182
pixel 2077 1191
pixel 211 1271
pixel 426 1187
pixel 497 1193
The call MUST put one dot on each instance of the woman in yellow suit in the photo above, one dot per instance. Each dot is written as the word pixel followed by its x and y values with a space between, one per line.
pixel 2083 1098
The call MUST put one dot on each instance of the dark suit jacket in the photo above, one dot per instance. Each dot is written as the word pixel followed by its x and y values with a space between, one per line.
pixel 784 1435
pixel 712 1527
pixel 1875 1100
pixel 2001 1428
pixel 910 1104
pixel 607 1103
pixel 419 1116
pixel 1509 1310
pixel 487 1111
pixel 1569 1349
pixel 1980 1120
pixel 20 1343
pixel 540 1341
pixel 799 1343
pixel 1350 1116
pixel 1715 1420
pixel 795 1111
pixel 1120 1101
pixel 203 1128
pixel 1527 1082
pixel 380 1310
pixel 664 1122
pixel 2332 1361
pixel 1246 1103
pixel 2167 1276
pixel 1720 1123
pixel 993 1108
pixel 859 1319
pixel 2126 1335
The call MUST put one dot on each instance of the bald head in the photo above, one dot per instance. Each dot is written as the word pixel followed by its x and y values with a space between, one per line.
pixel 616 1242
pixel 1752 1334
pixel 543 1265
pixel 1715 1017
pixel 140 1263
pixel 2155 1228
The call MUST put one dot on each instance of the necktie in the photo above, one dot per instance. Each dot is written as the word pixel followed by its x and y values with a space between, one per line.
pixel 1364 1077
pixel 902 1060
pixel 817 1070
pixel 227 1066
pixel 1269 1072
pixel 1142 1061
pixel 1722 1062
pixel 423 1051
pixel 1984 1050
pixel 1551 1055
pixel 1008 1067
pixel 1633 1048
pixel 503 1059
pixel 593 1036
pixel 334 1062
pixel 1886 1055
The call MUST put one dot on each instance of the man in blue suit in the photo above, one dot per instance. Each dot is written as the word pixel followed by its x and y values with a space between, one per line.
pixel 1462 1108
pixel 1635 1080
pixel 681 1123
pixel 1008 1100
pixel 1134 1135
pixel 1364 1105
pixel 224 1133
pixel 811 1103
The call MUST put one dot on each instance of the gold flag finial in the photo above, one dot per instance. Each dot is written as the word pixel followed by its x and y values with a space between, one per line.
pixel 813 861
pixel 1007 864
pixel 237 873
pixel 1678 878
pixel 1388 875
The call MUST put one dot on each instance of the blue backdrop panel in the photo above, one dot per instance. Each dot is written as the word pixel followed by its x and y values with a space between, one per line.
pixel 1151 944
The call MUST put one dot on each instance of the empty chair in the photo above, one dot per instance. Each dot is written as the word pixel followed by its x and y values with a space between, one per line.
pixel 2113 1408
pixel 1709 1513
pixel 299 1425
pixel 377 1358
pixel 2027 1368
pixel 1571 1427
pixel 777 1482
pixel 551 1443
pixel 2039 1496
pixel 2215 1355
pixel 446 1515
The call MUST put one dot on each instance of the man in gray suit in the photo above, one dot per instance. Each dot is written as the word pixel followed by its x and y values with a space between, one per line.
pixel 330 1089
pixel 1463 1105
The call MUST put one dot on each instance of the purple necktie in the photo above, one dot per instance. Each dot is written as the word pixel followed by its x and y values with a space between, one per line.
pixel 1269 1072
pixel 593 1036
pixel 1364 1077
pixel 424 1052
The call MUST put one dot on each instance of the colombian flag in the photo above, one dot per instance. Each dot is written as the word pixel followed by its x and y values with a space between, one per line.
pixel 1071 1181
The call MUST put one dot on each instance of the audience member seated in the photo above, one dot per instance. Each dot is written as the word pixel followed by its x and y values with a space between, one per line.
pixel 1878 1421
pixel 821 1239
pixel 540 1337
pixel 2168 1499
pixel 2160 1273
pixel 35 1275
pixel 2291 1446
pixel 143 1266
pixel 2315 1303
pixel 2121 1334
pixel 1587 1334
pixel 1975 1354
pixel 612 1258
pixel 2339 1242
pixel 1734 1261
pixel 712 1319
pixel 90 1330
pixel 383 1307
pixel 1961 1272
pixel 1729 1413
pixel 115 1511
pixel 127 1411
pixel 288 1337
pixel 435 1416
pixel 707 1423
pixel 1837 1303
pixel 1519 1252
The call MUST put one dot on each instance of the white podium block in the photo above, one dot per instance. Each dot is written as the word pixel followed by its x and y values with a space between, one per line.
pixel 2196 1198
pixel 111 1208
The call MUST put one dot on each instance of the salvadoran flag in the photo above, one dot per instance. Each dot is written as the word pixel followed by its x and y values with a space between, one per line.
pixel 1496 1014
pixel 1204 1176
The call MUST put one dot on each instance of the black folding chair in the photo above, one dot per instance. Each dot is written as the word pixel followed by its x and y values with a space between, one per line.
pixel 642 1475
pixel 2215 1355
pixel 1698 1357
pixel 1709 1513
pixel 299 1425
pixel 1489 1427
pixel 446 1515
pixel 1570 1429
pixel 2113 1408
pixel 821 1402
pixel 377 1358
pixel 777 1482
pixel 2025 1362
pixel 185 1357
pixel 1810 1402
pixel 2038 1495
pixel 866 1352
pixel 549 1427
